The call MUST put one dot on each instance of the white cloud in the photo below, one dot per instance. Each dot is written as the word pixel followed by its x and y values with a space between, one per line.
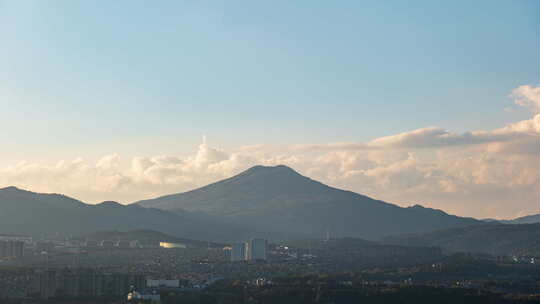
pixel 527 96
pixel 434 137
pixel 529 126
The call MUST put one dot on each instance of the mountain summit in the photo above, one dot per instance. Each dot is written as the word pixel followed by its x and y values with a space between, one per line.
pixel 279 199
pixel 256 188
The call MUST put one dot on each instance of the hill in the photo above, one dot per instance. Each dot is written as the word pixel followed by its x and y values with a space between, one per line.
pixel 494 238
pixel 529 219
pixel 26 212
pixel 280 200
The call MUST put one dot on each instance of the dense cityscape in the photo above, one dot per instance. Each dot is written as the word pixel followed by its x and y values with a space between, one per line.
pixel 303 271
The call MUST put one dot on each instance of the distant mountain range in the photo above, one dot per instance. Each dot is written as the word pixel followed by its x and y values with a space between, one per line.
pixel 490 238
pixel 529 219
pixel 280 200
pixel 273 202
pixel 25 212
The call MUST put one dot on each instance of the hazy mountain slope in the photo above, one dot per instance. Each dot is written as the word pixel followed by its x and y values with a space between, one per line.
pixel 493 238
pixel 278 199
pixel 33 213
pixel 529 219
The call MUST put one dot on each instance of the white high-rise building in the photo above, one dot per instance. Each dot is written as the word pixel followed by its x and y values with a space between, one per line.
pixel 257 249
pixel 238 252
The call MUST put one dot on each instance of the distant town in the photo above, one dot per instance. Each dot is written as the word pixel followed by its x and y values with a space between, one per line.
pixel 149 267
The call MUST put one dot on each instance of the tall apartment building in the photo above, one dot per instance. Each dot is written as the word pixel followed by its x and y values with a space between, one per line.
pixel 256 250
pixel 238 252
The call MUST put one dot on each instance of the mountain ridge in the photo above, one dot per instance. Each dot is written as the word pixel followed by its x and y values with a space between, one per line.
pixel 279 199
pixel 490 238
pixel 26 212
pixel 246 176
pixel 272 202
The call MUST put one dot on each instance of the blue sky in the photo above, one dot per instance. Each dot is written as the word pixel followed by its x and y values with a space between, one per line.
pixel 91 78
pixel 89 73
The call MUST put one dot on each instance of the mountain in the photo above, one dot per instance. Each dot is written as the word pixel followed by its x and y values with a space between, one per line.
pixel 529 219
pixel 493 238
pixel 280 200
pixel 25 212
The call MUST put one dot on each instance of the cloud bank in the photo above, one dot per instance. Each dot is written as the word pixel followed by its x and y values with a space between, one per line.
pixel 479 173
